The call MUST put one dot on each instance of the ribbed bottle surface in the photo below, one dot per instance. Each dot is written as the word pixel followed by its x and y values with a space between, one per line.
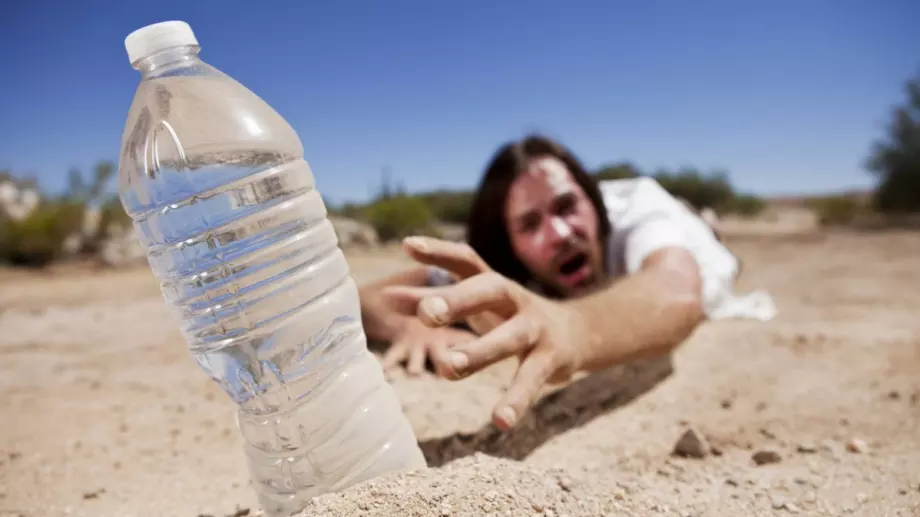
pixel 238 237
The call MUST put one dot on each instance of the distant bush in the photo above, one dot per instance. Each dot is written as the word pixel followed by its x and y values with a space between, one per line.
pixel 617 171
pixel 836 210
pixel 449 206
pixel 399 216
pixel 746 205
pixel 700 190
pixel 38 239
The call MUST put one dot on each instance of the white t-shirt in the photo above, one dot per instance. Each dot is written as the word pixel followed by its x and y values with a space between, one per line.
pixel 646 218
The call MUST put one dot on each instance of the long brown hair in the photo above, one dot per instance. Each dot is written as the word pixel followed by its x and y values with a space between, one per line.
pixel 487 230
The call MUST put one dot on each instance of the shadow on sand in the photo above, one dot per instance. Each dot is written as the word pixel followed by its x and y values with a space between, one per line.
pixel 567 408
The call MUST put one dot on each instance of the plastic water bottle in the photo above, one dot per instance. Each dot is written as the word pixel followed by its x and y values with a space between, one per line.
pixel 234 228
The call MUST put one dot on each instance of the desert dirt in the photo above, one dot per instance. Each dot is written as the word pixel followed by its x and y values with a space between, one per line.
pixel 815 413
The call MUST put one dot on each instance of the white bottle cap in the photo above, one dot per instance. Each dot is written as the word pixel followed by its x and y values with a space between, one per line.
pixel 159 36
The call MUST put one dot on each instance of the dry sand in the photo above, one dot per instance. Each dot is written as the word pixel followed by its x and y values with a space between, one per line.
pixel 104 413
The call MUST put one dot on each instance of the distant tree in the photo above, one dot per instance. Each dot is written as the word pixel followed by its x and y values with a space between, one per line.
pixel 617 171
pixel 700 191
pixel 895 160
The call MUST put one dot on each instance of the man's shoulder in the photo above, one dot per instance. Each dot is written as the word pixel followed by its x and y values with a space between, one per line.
pixel 633 199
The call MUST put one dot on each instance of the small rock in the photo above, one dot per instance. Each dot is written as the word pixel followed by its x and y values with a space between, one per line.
pixel 731 482
pixel 894 395
pixel 810 497
pixel 862 498
pixel 800 481
pixel 726 404
pixel 806 448
pixel 565 483
pixel 766 457
pixel 691 444
pixel 902 491
pixel 857 446
pixel 792 508
pixel 777 502
pixel 94 494
pixel 716 451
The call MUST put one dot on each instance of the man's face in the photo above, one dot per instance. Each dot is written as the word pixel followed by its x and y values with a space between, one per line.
pixel 553 227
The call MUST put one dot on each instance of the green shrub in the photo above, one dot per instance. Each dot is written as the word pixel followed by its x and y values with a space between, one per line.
pixel 746 205
pixel 399 216
pixel 836 210
pixel 111 213
pixel 449 206
pixel 38 239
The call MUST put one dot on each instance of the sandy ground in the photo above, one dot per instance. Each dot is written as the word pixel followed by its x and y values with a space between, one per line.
pixel 104 414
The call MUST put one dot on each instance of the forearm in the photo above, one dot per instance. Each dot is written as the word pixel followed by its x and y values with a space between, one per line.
pixel 643 315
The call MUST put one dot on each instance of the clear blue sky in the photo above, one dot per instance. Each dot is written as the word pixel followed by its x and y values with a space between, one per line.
pixel 786 95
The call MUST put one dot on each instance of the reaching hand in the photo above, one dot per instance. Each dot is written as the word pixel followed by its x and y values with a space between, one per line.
pixel 417 341
pixel 512 321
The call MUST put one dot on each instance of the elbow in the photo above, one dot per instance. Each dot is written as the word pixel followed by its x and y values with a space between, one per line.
pixel 689 312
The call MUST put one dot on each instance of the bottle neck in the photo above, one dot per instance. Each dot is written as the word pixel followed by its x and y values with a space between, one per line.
pixel 167 60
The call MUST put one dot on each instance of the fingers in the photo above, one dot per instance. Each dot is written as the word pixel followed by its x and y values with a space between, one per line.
pixel 394 355
pixel 514 336
pixel 481 293
pixel 416 363
pixel 407 295
pixel 456 257
pixel 529 380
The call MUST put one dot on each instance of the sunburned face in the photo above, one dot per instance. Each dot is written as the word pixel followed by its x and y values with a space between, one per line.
pixel 553 226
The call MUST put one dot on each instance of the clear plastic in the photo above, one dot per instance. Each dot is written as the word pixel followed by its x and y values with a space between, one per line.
pixel 225 206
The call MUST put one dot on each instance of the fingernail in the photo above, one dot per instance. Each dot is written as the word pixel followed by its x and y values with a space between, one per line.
pixel 435 308
pixel 507 415
pixel 416 242
pixel 459 361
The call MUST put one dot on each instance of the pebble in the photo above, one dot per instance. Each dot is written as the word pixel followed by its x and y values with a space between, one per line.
pixel 691 444
pixel 810 497
pixel 857 446
pixel 862 498
pixel 778 502
pixel 807 448
pixel 766 457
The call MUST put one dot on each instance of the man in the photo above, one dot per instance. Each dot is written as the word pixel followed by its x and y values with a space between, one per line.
pixel 563 273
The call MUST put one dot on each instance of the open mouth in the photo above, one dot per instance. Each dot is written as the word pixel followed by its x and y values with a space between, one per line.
pixel 575 270
pixel 573 264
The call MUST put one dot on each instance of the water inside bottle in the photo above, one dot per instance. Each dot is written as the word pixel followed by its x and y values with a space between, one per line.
pixel 251 266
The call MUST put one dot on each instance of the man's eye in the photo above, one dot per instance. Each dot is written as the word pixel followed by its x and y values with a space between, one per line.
pixel 528 225
pixel 565 206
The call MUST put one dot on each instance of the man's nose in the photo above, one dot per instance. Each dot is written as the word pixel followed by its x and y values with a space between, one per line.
pixel 559 229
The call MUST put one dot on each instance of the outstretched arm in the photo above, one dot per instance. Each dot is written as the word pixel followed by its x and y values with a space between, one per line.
pixel 645 314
